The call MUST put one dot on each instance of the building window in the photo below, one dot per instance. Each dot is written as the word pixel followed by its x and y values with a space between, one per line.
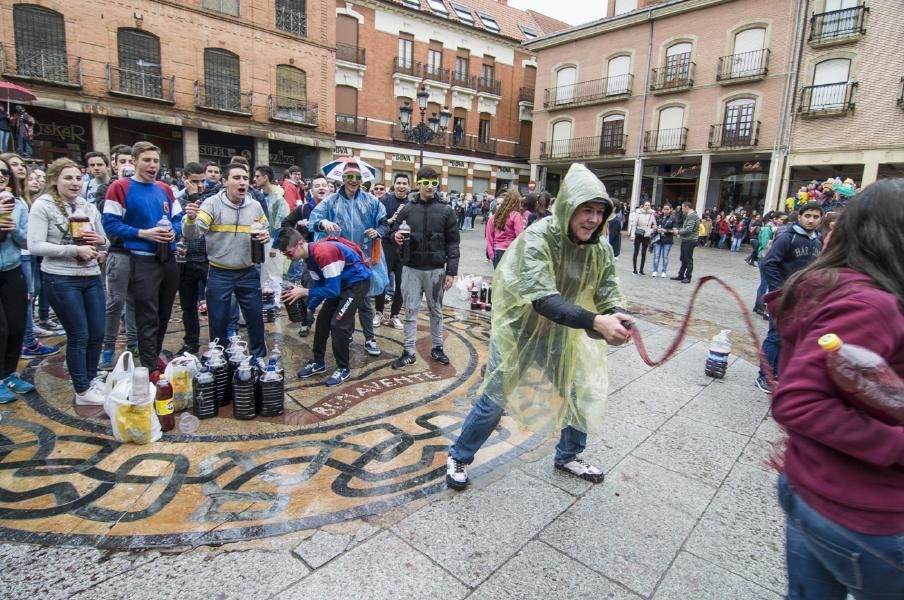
pixel 291 93
pixel 748 58
pixel 406 53
pixel 527 31
pixel 438 7
pixel 488 21
pixel 139 63
pixel 461 68
pixel 346 101
pixel 40 43
pixel 561 139
pixel 625 6
pixel 566 78
pixel 483 132
pixel 678 62
pixel 291 16
pixel 670 132
pixel 487 72
pixel 463 13
pixel 229 7
pixel 612 132
pixel 221 80
pixel 347 39
pixel 618 76
pixel 830 84
pixel 737 125
pixel 841 18
pixel 434 59
pixel 412 3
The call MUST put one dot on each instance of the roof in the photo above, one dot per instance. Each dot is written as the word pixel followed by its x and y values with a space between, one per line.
pixel 507 17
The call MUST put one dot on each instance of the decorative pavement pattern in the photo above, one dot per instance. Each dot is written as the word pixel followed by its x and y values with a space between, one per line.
pixel 375 442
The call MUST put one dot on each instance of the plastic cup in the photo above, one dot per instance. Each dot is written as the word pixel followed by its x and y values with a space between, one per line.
pixel 188 423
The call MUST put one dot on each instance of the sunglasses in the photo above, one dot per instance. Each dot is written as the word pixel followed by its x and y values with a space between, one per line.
pixel 353 176
pixel 428 182
pixel 4 173
pixel 379 188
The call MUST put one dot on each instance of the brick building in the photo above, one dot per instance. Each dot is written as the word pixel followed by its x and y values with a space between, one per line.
pixel 468 56
pixel 203 79
pixel 849 106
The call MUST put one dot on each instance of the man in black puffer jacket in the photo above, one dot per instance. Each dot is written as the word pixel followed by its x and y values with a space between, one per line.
pixel 430 259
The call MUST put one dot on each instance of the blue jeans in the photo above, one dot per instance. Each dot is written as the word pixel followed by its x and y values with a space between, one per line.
pixel 761 291
pixel 736 244
pixel 722 239
pixel 481 422
pixel 23 148
pixel 28 269
pixel 827 561
pixel 246 285
pixel 4 141
pixel 79 305
pixel 661 253
pixel 772 347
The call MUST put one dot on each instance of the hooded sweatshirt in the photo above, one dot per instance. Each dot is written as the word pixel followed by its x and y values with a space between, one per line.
pixel 844 463
pixel 227 229
pixel 791 251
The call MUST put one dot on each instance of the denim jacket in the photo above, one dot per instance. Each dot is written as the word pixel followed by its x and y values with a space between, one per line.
pixel 16 240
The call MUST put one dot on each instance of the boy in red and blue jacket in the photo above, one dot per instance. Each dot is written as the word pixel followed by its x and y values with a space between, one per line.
pixel 340 278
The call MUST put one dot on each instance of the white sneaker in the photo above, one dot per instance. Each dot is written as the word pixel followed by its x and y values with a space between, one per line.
pixel 456 475
pixel 582 469
pixel 663 274
pixel 378 320
pixel 94 395
pixel 397 323
pixel 655 274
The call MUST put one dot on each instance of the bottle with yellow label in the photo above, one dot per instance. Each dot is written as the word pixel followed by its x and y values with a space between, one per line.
pixel 163 404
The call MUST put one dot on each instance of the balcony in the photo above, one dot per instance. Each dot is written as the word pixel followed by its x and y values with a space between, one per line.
pixel 675 77
pixel 351 54
pixel 583 148
pixel 488 146
pixel 837 27
pixel 746 66
pixel 595 91
pixel 522 150
pixel 462 79
pixel 292 110
pixel 665 140
pixel 140 84
pixel 406 67
pixel 526 94
pixel 397 134
pixel 827 99
pixel 223 98
pixel 434 73
pixel 44 66
pixel 728 136
pixel 351 124
pixel 489 86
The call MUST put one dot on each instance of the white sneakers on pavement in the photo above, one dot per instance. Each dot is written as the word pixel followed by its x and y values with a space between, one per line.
pixel 582 469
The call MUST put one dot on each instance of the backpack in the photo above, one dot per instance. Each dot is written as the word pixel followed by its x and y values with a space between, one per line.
pixel 349 244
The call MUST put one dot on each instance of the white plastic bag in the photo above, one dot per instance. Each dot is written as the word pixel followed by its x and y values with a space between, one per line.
pixel 132 422
pixel 463 286
pixel 180 372
pixel 122 371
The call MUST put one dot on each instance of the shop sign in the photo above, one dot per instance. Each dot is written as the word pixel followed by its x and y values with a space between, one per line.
pixel 504 169
pixel 66 133
pixel 752 166
pixel 458 163
pixel 215 151
pixel 342 151
pixel 279 158
pixel 402 158
pixel 688 170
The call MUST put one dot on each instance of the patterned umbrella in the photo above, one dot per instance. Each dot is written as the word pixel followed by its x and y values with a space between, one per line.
pixel 336 169
pixel 14 93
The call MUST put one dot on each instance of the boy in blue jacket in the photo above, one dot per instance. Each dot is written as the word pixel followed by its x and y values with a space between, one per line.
pixel 340 278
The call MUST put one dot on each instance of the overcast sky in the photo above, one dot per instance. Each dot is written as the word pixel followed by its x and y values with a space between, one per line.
pixel 574 12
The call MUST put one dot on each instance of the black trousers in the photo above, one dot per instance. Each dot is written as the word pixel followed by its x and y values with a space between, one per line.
pixel 337 317
pixel 687 259
pixel 13 300
pixel 190 275
pixel 153 286
pixel 641 244
pixel 394 265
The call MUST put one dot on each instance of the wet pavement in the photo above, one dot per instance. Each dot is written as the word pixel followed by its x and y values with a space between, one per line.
pixel 343 497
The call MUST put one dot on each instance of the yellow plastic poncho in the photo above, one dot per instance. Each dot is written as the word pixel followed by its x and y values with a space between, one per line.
pixel 544 374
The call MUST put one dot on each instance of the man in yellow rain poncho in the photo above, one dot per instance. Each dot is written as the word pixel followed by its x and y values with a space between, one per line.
pixel 556 304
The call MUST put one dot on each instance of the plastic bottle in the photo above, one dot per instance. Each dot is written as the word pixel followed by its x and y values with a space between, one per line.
pixel 275 358
pixel 405 230
pixel 79 223
pixel 7 205
pixel 719 349
pixel 220 371
pixel 294 310
pixel 867 380
pixel 257 248
pixel 475 301
pixel 243 405
pixel 163 248
pixel 206 405
pixel 140 393
pixel 483 292
pixel 269 296
pixel 272 392
pixel 163 404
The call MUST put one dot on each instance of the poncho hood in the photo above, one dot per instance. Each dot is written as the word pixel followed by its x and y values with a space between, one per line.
pixel 580 186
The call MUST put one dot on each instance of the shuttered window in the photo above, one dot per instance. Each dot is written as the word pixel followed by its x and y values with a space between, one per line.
pixel 40 43
pixel 221 80
pixel 229 7
pixel 291 93
pixel 139 63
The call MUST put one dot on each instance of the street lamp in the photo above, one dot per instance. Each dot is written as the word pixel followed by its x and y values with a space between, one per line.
pixel 424 131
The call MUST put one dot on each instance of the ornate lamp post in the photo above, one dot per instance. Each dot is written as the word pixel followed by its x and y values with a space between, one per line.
pixel 423 132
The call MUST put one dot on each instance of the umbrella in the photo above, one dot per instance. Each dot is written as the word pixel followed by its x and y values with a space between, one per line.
pixel 336 169
pixel 14 93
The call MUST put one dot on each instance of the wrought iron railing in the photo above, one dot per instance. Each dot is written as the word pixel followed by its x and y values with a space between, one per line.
pixel 291 20
pixel 526 94
pixel 830 97
pixel 292 110
pixel 491 86
pixel 350 53
pixel 665 140
pixel 745 65
pixel 522 150
pixel 837 24
pixel 140 84
pixel 488 146
pixel 462 79
pixel 588 92
pixel 220 97
pixel 46 65
pixel 675 76
pixel 398 135
pixel 406 67
pixel 585 147
pixel 734 135
pixel 351 124
pixel 434 73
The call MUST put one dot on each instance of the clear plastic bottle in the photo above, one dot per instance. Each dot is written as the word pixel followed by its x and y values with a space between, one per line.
pixel 257 248
pixel 719 349
pixel 867 380
pixel 206 405
pixel 405 230
pixel 163 248
pixel 275 358
pixel 243 401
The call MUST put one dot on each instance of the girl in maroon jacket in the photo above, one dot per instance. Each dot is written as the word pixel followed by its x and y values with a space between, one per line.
pixel 842 488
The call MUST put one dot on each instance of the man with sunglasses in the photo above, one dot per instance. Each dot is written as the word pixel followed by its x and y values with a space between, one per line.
pixel 358 216
pixel 378 190
pixel 430 259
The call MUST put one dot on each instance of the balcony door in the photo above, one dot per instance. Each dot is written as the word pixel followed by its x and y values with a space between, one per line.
pixel 747 56
pixel 139 63
pixel 561 139
pixel 565 82
pixel 40 36
pixel 221 80
pixel 618 75
pixel 830 84
pixel 737 126
pixel 838 20
pixel 671 128
pixel 678 63
pixel 613 130
pixel 347 38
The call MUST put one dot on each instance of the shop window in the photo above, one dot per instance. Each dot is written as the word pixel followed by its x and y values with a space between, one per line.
pixel 229 7
pixel 291 16
pixel 221 80
pixel 40 35
pixel 291 93
pixel 139 63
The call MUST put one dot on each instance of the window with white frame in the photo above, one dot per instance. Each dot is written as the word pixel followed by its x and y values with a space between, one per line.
pixel 439 7
pixel 670 128
pixel 527 31
pixel 463 13
pixel 618 75
pixel 561 139
pixel 566 77
pixel 747 58
pixel 489 22
pixel 678 62
pixel 830 82
pixel 613 132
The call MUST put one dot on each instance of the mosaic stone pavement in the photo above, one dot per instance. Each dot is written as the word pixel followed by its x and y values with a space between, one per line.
pixel 377 441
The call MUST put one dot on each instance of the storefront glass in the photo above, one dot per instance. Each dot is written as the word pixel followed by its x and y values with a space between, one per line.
pixel 738 184
pixel 59 134
pixel 217 147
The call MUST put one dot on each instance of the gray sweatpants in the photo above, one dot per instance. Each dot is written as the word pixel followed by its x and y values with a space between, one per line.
pixel 118 270
pixel 415 284
pixel 366 314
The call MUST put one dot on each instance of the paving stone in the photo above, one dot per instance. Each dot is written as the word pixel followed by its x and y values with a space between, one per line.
pixel 204 574
pixel 694 449
pixel 743 529
pixel 476 531
pixel 539 572
pixel 322 547
pixel 382 567
pixel 728 405
pixel 630 528
pixel 692 577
